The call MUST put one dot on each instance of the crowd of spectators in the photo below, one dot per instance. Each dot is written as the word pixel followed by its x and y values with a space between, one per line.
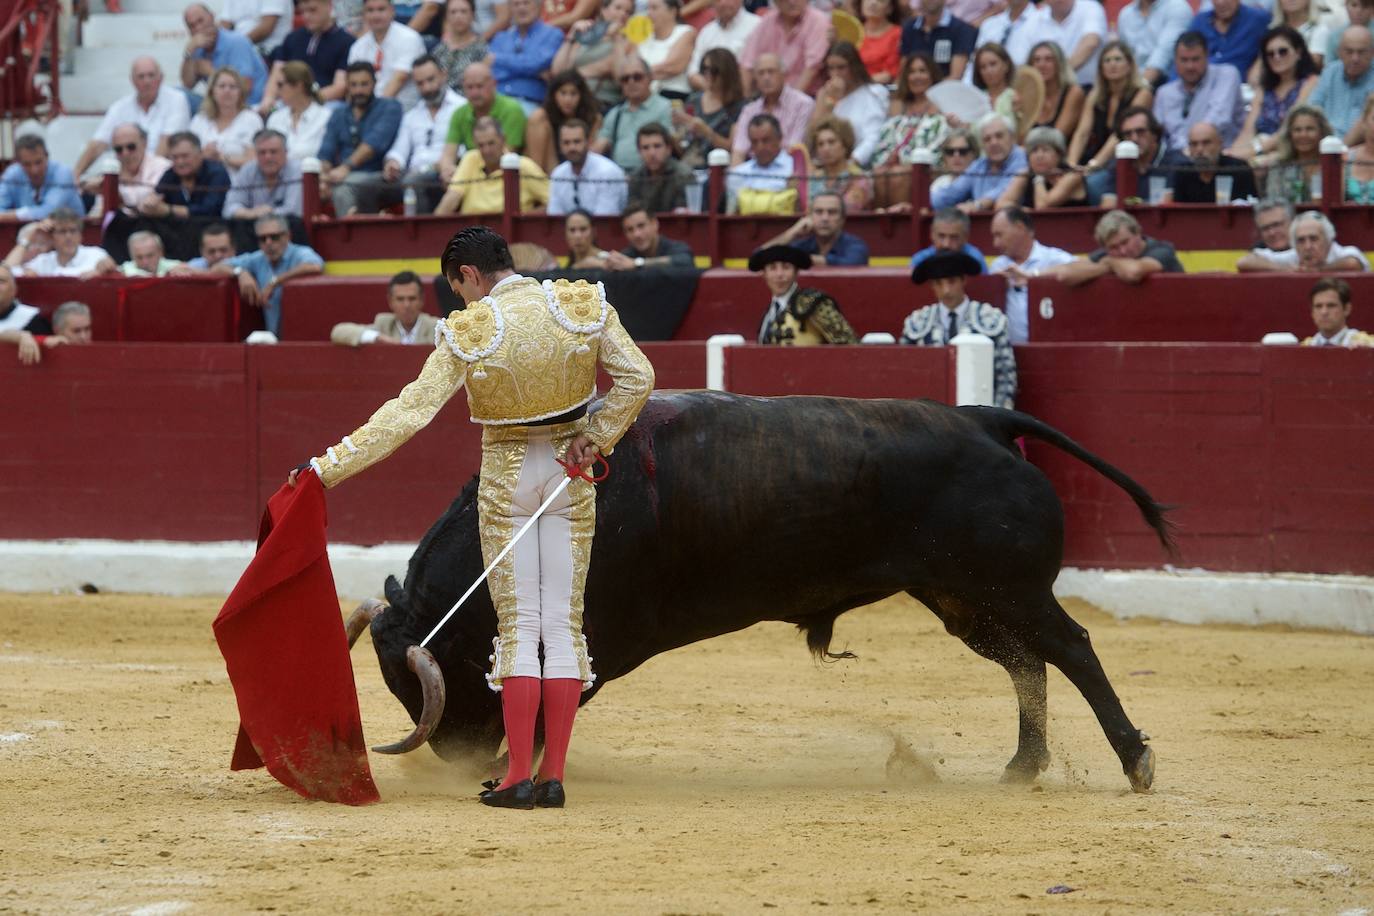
pixel 613 109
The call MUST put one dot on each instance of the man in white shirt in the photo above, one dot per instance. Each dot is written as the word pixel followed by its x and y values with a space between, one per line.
pixel 584 180
pixel 263 22
pixel 413 159
pixel 1021 259
pixel 391 49
pixel 1331 313
pixel 1077 26
pixel 405 323
pixel 767 169
pixel 1012 29
pixel 1314 249
pixel 160 110
pixel 65 256
pixel 730 30
pixel 1150 29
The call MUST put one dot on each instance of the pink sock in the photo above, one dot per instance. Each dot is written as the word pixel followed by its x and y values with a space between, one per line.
pixel 519 707
pixel 560 707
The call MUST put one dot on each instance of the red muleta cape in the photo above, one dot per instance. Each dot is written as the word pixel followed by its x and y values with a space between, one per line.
pixel 284 646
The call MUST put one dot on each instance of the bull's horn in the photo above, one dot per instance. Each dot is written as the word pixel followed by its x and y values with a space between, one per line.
pixel 431 678
pixel 362 618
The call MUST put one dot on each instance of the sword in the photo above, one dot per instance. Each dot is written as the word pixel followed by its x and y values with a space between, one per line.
pixel 574 470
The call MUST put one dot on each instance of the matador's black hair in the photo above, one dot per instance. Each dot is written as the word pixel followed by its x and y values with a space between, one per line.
pixel 479 247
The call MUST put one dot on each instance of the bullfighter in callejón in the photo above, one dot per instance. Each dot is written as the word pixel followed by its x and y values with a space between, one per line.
pixel 796 316
pixel 528 354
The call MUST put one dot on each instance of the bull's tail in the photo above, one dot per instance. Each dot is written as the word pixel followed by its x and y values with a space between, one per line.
pixel 1007 425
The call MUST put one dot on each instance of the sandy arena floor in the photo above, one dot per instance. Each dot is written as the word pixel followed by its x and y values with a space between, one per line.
pixel 732 776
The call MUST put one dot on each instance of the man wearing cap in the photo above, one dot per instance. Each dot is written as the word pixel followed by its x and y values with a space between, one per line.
pixel 796 317
pixel 936 325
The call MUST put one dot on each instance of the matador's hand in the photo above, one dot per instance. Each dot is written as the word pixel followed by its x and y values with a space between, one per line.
pixel 583 451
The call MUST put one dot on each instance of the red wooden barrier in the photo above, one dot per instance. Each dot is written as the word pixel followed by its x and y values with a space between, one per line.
pixel 183 309
pixel 851 372
pixel 1207 307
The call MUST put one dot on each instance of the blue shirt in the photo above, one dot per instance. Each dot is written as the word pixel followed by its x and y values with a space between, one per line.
pixel 206 197
pixel 980 181
pixel 969 250
pixel 263 270
pixel 1341 99
pixel 950 36
pixel 521 58
pixel 377 129
pixel 1241 44
pixel 29 203
pixel 234 50
pixel 848 249
pixel 328 56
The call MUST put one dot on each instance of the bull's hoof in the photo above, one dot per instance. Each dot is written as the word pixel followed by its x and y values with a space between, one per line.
pixel 1142 772
pixel 1021 770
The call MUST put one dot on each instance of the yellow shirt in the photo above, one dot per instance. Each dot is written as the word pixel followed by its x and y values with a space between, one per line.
pixel 484 193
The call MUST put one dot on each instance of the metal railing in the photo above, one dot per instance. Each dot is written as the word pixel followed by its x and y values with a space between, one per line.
pixel 30 30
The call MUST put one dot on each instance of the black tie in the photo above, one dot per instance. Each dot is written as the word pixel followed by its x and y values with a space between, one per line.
pixel 953 326
pixel 577 202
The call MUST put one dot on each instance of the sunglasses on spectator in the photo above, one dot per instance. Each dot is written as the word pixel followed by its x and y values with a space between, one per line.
pixel 632 78
pixel 1278 53
pixel 958 150
pixel 125 147
pixel 271 236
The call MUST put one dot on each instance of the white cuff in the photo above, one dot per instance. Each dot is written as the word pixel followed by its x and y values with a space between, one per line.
pixel 369 335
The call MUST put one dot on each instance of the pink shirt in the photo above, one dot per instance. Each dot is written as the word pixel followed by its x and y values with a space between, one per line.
pixel 133 190
pixel 800 48
pixel 793 111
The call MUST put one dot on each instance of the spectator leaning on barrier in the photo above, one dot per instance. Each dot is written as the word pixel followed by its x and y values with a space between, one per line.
pixel 1156 161
pixel 57 240
pixel 662 180
pixel 1330 299
pixel 30 332
pixel 790 107
pixel 263 272
pixel 647 247
pixel 159 110
pixel 271 183
pixel 796 316
pixel 193 186
pixel 584 180
pixel 358 136
pixel 1272 219
pixel 1150 28
pixel 1126 253
pixel 942 35
pixel 265 23
pixel 763 183
pixel 390 48
pixel 522 54
pixel 798 34
pixel 619 137
pixel 1346 83
pixel 955 313
pixel 949 231
pixel 319 44
pixel 1021 259
pixel 1233 31
pixel 1201 94
pixel 984 181
pixel 211 47
pixel 216 245
pixel 413 160
pixel 1199 184
pixel 1313 248
pixel 477 184
pixel 71 324
pixel 34 185
pixel 147 257
pixel 479 88
pixel 820 234
pixel 404 323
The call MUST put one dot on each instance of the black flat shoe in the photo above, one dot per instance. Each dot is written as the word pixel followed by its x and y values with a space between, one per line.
pixel 520 795
pixel 549 794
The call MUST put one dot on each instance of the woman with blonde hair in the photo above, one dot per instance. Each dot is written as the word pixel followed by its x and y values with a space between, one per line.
pixel 1299 155
pixel 1119 86
pixel 301 119
pixel 1359 175
pixel 830 142
pixel 1063 104
pixel 225 125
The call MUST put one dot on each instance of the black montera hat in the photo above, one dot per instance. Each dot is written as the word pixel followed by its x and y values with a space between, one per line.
pixel 946 264
pixel 785 253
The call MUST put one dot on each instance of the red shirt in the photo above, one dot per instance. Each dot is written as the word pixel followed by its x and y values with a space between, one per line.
pixel 880 53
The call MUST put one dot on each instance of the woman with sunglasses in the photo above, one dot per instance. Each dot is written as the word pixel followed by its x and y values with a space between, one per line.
pixel 957 153
pixel 1287 78
pixel 1308 19
pixel 568 96
pixel 708 118
pixel 1119 86
pixel 592 48
pixel 301 119
pixel 914 123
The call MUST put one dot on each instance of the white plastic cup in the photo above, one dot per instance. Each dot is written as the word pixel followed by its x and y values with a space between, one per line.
pixel 1223 189
pixel 1158 185
pixel 1315 186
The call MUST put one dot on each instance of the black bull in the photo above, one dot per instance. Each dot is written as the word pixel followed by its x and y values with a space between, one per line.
pixel 723 511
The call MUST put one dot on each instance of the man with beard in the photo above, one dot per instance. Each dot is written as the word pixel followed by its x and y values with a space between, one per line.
pixel 584 180
pixel 355 140
pixel 1200 186
pixel 413 159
